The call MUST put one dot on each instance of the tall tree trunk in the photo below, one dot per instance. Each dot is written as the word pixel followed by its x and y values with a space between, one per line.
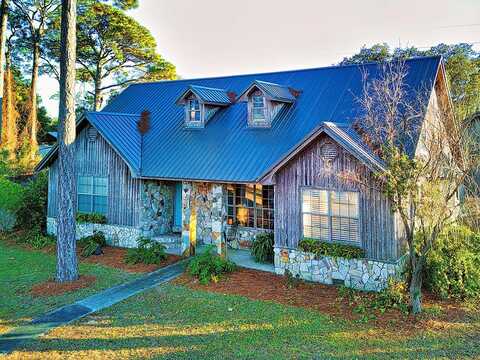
pixel 9 113
pixel 416 283
pixel 3 36
pixel 67 265
pixel 97 97
pixel 31 127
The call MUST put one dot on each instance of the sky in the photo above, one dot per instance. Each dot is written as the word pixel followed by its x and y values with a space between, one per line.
pixel 225 37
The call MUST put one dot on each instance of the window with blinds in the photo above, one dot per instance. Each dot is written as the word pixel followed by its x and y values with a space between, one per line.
pixel 330 215
pixel 92 194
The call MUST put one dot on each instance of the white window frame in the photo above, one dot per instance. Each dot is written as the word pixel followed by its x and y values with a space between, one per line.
pixel 330 215
pixel 263 108
pixel 92 193
pixel 193 111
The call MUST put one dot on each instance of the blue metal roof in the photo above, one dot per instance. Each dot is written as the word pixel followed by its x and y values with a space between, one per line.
pixel 120 131
pixel 208 94
pixel 226 149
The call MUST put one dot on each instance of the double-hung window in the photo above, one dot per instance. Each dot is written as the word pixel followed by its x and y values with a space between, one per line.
pixel 330 215
pixel 92 194
pixel 194 110
pixel 258 107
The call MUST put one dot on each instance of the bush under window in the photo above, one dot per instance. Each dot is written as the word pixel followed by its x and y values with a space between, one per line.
pixel 147 252
pixel 92 218
pixel 320 248
pixel 209 266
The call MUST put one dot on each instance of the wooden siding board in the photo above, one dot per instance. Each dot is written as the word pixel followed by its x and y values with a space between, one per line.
pixel 97 158
pixel 307 170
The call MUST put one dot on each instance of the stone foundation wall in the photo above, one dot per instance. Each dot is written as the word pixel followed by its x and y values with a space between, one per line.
pixel 360 274
pixel 116 235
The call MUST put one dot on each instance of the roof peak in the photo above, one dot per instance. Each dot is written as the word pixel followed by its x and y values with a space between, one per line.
pixel 416 58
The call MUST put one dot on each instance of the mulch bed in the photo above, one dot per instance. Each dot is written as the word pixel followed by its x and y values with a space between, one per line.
pixel 52 288
pixel 115 257
pixel 258 285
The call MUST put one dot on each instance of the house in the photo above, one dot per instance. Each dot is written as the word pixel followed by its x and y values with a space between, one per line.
pixel 260 153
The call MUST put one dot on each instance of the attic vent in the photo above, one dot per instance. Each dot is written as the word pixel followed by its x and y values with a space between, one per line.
pixel 92 134
pixel 328 152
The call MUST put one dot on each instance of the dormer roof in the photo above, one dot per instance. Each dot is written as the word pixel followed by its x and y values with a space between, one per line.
pixel 274 92
pixel 208 95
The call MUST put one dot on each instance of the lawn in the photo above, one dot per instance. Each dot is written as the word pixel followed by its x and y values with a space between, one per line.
pixel 20 269
pixel 185 321
pixel 176 322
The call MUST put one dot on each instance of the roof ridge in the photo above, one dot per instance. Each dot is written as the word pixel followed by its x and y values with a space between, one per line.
pixel 415 58
pixel 101 112
pixel 207 87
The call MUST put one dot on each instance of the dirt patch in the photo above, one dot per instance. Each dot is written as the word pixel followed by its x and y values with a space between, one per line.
pixel 258 285
pixel 115 257
pixel 52 288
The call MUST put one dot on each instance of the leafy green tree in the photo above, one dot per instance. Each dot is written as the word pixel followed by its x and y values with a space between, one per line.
pixel 113 50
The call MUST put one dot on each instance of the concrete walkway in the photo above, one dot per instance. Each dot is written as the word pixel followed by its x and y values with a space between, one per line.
pixel 13 339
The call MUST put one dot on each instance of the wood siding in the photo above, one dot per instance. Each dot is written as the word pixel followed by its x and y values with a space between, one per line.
pixel 97 158
pixel 307 169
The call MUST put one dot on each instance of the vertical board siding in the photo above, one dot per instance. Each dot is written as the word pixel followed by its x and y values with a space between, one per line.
pixel 376 221
pixel 97 158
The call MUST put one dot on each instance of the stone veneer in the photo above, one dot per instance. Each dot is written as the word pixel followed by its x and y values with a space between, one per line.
pixel 360 274
pixel 116 235
pixel 157 208
pixel 203 214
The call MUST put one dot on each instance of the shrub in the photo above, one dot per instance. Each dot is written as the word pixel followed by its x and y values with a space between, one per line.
pixel 7 220
pixel 320 248
pixel 453 265
pixel 262 247
pixel 35 239
pixel 209 266
pixel 93 218
pixel 292 281
pixel 11 195
pixel 32 214
pixel 394 296
pixel 147 252
pixel 93 243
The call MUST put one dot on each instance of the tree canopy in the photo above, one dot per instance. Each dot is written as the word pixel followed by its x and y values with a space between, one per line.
pixel 113 50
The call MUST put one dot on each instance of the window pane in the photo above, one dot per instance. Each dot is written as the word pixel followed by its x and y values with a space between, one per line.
pixel 319 201
pixel 100 204
pixel 84 184
pixel 84 203
pixel 100 186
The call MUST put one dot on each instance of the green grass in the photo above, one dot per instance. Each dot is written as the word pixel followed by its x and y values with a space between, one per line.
pixel 175 322
pixel 20 269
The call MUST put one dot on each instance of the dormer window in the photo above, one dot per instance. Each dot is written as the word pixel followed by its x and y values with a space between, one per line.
pixel 201 103
pixel 265 101
pixel 194 110
pixel 258 107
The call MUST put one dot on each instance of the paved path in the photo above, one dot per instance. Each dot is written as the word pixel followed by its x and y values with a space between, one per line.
pixel 15 338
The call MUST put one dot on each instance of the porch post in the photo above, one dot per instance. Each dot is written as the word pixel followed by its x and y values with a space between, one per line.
pixel 218 218
pixel 189 221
